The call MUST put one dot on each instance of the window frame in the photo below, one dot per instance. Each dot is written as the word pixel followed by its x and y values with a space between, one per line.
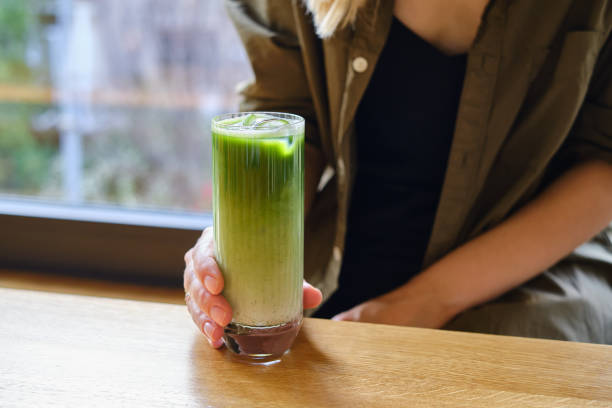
pixel 97 241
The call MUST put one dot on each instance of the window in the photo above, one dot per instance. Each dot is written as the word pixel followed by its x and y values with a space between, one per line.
pixel 105 109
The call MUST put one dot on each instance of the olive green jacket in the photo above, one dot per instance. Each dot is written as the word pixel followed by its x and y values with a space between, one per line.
pixel 537 98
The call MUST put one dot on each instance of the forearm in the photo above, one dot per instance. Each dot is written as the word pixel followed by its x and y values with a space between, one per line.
pixel 569 212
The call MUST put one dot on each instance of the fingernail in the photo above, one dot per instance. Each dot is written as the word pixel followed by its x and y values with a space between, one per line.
pixel 211 284
pixel 209 329
pixel 216 344
pixel 218 315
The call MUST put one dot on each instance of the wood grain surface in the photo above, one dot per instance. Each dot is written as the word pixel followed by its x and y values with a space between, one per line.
pixel 51 282
pixel 75 351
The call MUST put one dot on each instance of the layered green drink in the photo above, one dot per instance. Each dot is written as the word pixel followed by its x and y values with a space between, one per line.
pixel 258 206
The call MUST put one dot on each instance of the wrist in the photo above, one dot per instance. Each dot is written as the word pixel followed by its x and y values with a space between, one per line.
pixel 435 292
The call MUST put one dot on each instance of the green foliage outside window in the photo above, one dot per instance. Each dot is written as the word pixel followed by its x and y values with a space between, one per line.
pixel 16 22
pixel 24 160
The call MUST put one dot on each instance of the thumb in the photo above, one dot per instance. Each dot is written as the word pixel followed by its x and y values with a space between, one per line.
pixel 312 296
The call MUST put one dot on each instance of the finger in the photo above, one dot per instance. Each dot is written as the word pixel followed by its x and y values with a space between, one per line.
pixel 188 256
pixel 348 316
pixel 209 328
pixel 214 306
pixel 208 272
pixel 188 276
pixel 205 265
pixel 207 241
pixel 312 296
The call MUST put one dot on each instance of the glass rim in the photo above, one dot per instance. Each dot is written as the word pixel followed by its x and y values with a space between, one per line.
pixel 297 120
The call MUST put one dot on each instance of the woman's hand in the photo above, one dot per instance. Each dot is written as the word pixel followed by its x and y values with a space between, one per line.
pixel 405 306
pixel 203 282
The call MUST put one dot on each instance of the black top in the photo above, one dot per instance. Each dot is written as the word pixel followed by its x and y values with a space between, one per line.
pixel 405 125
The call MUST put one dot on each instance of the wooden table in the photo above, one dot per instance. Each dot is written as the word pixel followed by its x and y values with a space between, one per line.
pixel 80 285
pixel 76 351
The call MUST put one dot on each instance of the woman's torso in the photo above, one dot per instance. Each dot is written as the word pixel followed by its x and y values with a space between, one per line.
pixel 404 127
pixel 536 98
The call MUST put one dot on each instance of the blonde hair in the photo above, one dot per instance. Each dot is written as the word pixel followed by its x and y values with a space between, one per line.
pixel 329 15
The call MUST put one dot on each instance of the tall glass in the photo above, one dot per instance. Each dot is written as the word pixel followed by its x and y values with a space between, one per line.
pixel 258 208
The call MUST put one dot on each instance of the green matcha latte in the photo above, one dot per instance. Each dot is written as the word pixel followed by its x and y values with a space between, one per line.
pixel 258 206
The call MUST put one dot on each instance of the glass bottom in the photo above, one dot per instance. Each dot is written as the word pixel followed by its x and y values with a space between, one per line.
pixel 260 344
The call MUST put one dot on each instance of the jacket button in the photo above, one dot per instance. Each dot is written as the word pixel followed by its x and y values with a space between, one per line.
pixel 360 64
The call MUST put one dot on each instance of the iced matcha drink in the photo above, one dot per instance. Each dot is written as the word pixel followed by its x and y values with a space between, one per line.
pixel 258 206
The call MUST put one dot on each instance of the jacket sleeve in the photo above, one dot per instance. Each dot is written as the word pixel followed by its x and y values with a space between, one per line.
pixel 591 136
pixel 267 30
